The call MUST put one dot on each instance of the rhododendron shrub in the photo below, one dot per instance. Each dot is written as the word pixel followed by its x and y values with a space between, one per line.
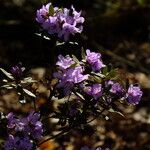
pixel 89 88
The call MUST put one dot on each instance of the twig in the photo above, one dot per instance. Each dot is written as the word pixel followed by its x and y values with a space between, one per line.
pixel 34 104
pixel 55 136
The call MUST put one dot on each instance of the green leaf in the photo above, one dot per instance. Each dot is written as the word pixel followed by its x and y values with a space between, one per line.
pixel 97 79
pixel 105 70
pixel 51 10
pixel 114 111
pixel 73 65
pixel 98 74
pixel 46 37
pixel 38 34
pixel 112 74
pixel 73 43
pixel 83 53
pixel 43 36
pixel 9 75
pixel 59 43
pixel 8 87
pixel 78 94
pixel 4 80
pixel 29 93
pixel 28 80
pixel 75 59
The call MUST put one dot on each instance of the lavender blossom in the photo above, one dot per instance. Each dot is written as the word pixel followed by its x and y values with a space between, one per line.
pixel 62 23
pixel 51 25
pixel 33 126
pixel 116 88
pixel 42 14
pixel 16 71
pixel 93 59
pixel 69 77
pixel 18 143
pixel 134 94
pixel 109 83
pixel 64 62
pixel 67 30
pixel 27 126
pixel 74 75
pixel 95 90
pixel 14 123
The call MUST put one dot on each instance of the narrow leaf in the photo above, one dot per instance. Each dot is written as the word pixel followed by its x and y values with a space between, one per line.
pixel 28 80
pixel 29 93
pixel 51 10
pixel 83 53
pixel 9 75
pixel 73 43
pixel 59 43
pixel 75 59
pixel 114 111
pixel 78 94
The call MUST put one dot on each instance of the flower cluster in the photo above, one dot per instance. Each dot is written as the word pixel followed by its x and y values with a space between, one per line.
pixel 23 131
pixel 18 143
pixel 74 73
pixel 61 22
pixel 67 75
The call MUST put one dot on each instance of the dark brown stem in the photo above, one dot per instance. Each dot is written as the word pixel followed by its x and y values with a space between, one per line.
pixel 55 136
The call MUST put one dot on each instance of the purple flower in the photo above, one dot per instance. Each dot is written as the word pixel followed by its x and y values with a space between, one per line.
pixel 62 23
pixel 42 14
pixel 109 83
pixel 72 23
pixel 33 126
pixel 116 88
pixel 134 94
pixel 74 75
pixel 77 16
pixel 14 123
pixel 51 25
pixel 67 30
pixel 18 143
pixel 16 71
pixel 95 90
pixel 69 77
pixel 27 126
pixel 93 59
pixel 64 62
